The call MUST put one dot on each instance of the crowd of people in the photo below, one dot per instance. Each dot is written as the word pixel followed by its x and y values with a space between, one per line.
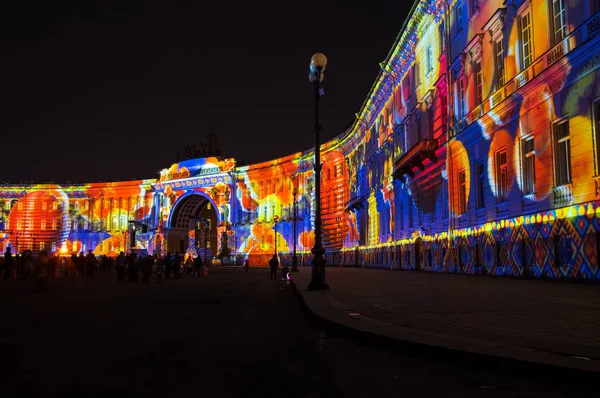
pixel 44 266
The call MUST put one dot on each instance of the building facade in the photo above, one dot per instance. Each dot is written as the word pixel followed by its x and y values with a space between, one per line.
pixel 477 151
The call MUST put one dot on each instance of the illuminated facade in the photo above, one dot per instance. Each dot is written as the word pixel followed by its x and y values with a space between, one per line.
pixel 477 151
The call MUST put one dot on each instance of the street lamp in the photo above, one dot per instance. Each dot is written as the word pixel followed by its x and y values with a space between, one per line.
pixel 294 257
pixel 318 280
pixel 275 221
pixel 34 236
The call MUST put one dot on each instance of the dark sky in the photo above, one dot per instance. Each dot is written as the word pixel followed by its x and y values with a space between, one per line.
pixel 110 90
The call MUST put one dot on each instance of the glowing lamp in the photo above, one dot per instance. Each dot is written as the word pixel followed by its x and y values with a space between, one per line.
pixel 318 62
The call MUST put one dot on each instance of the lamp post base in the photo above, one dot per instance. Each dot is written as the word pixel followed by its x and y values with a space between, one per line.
pixel 295 264
pixel 318 280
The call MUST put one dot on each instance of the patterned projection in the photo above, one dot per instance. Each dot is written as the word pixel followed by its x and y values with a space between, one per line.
pixel 476 151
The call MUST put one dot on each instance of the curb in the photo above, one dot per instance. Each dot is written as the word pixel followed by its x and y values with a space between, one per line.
pixel 543 372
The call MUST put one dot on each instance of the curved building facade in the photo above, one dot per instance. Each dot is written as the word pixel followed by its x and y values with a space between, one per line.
pixel 476 151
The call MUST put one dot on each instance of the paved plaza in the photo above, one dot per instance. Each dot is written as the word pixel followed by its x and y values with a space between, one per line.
pixel 234 334
pixel 544 322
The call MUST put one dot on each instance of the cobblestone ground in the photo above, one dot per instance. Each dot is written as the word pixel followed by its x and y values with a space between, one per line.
pixel 555 316
pixel 235 334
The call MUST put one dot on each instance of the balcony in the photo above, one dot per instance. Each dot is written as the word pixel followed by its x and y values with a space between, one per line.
pixel 355 203
pixel 424 149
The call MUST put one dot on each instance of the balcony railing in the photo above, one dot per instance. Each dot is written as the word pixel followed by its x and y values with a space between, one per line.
pixel 355 203
pixel 424 149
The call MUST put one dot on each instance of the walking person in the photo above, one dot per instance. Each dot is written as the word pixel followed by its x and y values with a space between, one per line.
pixel 90 265
pixel 160 268
pixel 8 264
pixel 197 267
pixel 120 266
pixel 27 266
pixel 273 264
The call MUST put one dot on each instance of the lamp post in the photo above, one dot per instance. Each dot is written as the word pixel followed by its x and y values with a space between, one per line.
pixel 34 236
pixel 318 280
pixel 294 257
pixel 275 221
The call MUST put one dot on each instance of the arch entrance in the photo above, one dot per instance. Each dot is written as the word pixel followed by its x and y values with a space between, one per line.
pixel 193 226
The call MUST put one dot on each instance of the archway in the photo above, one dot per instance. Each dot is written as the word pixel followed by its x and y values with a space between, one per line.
pixel 186 232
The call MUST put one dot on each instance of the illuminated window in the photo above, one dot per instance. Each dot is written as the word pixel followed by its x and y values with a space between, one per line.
pixel 55 205
pixel 559 20
pixel 43 225
pixel 526 39
pixel 429 58
pixel 20 205
pixel 480 185
pixel 473 7
pixel 208 206
pixel 528 165
pixel 461 97
pixel 478 75
pixel 44 206
pixel 501 175
pixel 19 224
pixel 596 117
pixel 562 153
pixel 499 62
pixel 462 192
pixel 42 245
pixel 54 225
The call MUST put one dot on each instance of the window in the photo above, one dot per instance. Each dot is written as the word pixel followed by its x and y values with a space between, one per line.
pixel 20 205
pixel 54 225
pixel 501 175
pixel 596 117
pixel 44 206
pixel 410 212
pixel 480 185
pixel 499 63
pixel 562 153
pixel 416 77
pixel 19 224
pixel 462 192
pixel 528 165
pixel 473 7
pixel 478 74
pixel 559 20
pixel 429 58
pixel 55 205
pixel 401 216
pixel 594 7
pixel 42 245
pixel 457 18
pixel 461 97
pixel 526 40
pixel 43 225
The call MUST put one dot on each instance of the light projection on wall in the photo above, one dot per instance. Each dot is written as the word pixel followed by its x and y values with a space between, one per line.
pixel 474 152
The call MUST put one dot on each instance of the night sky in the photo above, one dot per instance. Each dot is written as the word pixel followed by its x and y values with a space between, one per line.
pixel 110 90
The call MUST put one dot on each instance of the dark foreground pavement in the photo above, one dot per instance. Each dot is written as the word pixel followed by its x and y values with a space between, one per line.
pixel 235 334
pixel 554 326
